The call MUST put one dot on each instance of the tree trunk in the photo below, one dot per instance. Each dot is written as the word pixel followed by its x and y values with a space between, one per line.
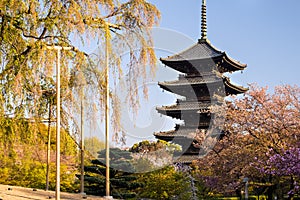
pixel 291 194
pixel 270 193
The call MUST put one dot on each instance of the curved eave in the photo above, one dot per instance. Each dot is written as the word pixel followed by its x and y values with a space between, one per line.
pixel 166 137
pixel 171 111
pixel 192 64
pixel 233 63
pixel 170 137
pixel 233 88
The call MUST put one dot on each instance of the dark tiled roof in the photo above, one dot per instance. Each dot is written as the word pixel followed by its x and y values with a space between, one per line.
pixel 229 87
pixel 201 50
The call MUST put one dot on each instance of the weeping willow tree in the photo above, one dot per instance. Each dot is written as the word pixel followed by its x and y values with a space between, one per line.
pixel 27 77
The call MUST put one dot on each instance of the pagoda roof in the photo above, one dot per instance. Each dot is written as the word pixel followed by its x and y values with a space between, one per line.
pixel 185 105
pixel 203 50
pixel 194 81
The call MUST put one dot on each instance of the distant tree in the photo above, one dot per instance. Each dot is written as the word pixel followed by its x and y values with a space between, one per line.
pixel 147 146
pixel 93 145
pixel 157 154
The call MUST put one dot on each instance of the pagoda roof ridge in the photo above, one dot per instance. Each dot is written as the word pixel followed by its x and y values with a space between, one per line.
pixel 201 50
pixel 227 57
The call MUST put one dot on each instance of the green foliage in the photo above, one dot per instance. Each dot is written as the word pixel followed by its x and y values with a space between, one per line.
pixel 122 179
pixel 165 183
pixel 142 165
pixel 23 159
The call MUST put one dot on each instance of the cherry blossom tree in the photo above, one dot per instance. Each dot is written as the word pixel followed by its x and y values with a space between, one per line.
pixel 257 123
pixel 285 164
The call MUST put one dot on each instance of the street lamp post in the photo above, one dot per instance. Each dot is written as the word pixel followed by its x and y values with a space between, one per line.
pixel 82 141
pixel 58 49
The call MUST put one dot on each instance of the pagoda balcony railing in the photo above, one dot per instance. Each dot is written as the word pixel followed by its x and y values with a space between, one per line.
pixel 186 105
pixel 202 74
pixel 192 81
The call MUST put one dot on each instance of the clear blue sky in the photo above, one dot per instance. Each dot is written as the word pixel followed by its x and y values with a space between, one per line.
pixel 264 34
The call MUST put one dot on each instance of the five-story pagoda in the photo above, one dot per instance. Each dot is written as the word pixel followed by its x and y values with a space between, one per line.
pixel 203 84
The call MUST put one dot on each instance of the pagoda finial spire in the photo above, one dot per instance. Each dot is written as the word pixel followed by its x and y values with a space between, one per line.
pixel 203 21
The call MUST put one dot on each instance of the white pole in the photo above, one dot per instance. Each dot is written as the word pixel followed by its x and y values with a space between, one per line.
pixel 82 142
pixel 107 122
pixel 57 187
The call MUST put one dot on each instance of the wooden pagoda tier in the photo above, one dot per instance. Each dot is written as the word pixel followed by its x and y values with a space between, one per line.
pixel 185 137
pixel 198 87
pixel 201 58
pixel 189 112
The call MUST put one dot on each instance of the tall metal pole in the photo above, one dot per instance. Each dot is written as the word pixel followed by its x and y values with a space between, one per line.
pixel 57 186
